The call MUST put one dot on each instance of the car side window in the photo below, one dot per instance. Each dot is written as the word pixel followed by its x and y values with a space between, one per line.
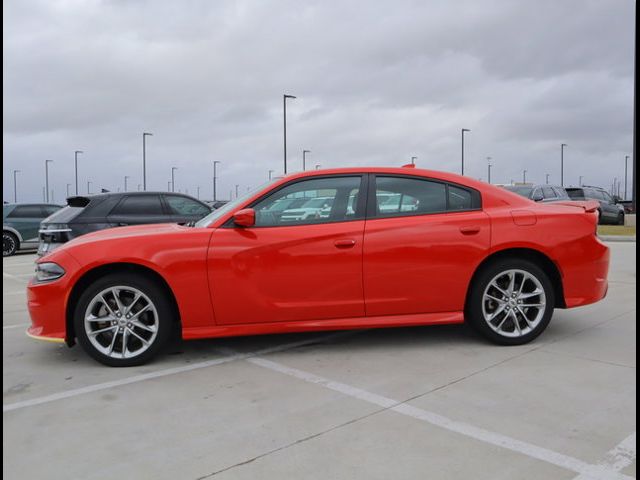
pixel 321 200
pixel 27 211
pixel 139 205
pixel 401 196
pixel 560 192
pixel 185 206
pixel 606 197
pixel 459 198
pixel 593 193
pixel 548 192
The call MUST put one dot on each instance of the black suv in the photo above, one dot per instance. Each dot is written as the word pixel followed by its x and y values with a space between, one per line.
pixel 610 211
pixel 89 213
pixel 539 193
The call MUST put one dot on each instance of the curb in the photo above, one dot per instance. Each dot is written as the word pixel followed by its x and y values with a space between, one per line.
pixel 617 238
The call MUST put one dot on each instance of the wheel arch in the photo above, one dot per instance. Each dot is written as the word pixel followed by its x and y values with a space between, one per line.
pixel 7 228
pixel 124 267
pixel 533 255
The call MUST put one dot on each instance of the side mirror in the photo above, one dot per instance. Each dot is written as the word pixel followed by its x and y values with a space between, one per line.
pixel 245 217
pixel 537 197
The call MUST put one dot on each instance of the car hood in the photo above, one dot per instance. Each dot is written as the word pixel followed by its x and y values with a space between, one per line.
pixel 127 232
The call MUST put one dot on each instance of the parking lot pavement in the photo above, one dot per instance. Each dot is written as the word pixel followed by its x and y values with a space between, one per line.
pixel 429 402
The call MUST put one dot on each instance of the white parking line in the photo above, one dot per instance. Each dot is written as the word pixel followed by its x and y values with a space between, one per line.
pixel 8 327
pixel 13 277
pixel 480 434
pixel 161 373
pixel 616 459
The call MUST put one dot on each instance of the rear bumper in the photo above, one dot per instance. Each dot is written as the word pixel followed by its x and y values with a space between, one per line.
pixel 585 279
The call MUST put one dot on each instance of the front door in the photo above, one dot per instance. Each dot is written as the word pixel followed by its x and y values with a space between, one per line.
pixel 301 261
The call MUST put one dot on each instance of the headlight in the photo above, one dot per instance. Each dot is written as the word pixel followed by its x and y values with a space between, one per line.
pixel 47 271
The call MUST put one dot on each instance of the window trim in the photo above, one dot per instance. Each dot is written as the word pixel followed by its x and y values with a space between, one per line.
pixel 361 207
pixel 372 213
pixel 168 209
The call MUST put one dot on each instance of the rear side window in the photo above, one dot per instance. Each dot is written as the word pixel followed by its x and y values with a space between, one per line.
pixel 401 196
pixel 185 206
pixel 575 193
pixel 560 192
pixel 27 211
pixel 139 205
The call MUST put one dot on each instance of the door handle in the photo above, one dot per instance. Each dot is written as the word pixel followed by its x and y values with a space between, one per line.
pixel 470 229
pixel 346 243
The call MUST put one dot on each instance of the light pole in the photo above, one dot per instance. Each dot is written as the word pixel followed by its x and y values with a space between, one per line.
pixel 46 177
pixel 144 159
pixel 524 176
pixel 580 180
pixel 317 166
pixel 169 186
pixel 626 160
pixel 270 173
pixel 88 187
pixel 547 178
pixel 489 169
pixel 139 186
pixel 413 160
pixel 284 110
pixel 173 179
pixel 76 163
pixel 15 188
pixel 215 178
pixel 198 194
pixel 68 185
pixel 125 182
pixel 462 164
pixel 237 190
pixel 304 159
pixel 562 145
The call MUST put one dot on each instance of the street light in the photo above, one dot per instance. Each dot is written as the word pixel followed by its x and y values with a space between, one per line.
pixel 173 179
pixel 125 182
pixel 547 178
pixel 562 145
pixel 15 189
pixel 237 190
pixel 413 160
pixel 580 180
pixel 284 110
pixel 76 163
pixel 524 176
pixel 215 162
pixel 270 172
pixel 626 159
pixel 462 165
pixel 88 187
pixel 46 177
pixel 68 185
pixel 169 186
pixel 198 195
pixel 489 169
pixel 144 159
pixel 304 159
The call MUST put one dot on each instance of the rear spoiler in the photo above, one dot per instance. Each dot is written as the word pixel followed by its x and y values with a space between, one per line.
pixel 587 205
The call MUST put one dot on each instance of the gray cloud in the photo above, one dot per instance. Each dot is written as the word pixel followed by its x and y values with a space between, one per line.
pixel 377 83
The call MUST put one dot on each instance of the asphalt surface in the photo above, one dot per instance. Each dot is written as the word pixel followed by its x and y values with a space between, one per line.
pixel 428 402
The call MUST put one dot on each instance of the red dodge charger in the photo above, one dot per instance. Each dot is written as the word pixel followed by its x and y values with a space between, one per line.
pixel 325 250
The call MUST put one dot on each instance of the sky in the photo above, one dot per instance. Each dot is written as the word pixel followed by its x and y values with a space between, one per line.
pixel 376 82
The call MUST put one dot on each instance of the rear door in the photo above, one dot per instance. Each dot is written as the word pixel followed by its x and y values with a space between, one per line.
pixel 423 240
pixel 138 210
pixel 26 220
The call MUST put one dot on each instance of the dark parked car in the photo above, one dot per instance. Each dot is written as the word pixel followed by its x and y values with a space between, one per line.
pixel 539 193
pixel 89 213
pixel 20 224
pixel 610 211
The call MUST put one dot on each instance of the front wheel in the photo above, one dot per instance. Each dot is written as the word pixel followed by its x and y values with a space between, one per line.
pixel 511 302
pixel 123 320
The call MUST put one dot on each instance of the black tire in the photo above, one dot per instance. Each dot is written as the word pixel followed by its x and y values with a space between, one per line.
pixel 474 308
pixel 10 244
pixel 164 320
pixel 620 220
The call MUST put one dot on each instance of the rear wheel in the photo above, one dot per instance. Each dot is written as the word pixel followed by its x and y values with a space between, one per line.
pixel 511 302
pixel 123 320
pixel 620 220
pixel 10 244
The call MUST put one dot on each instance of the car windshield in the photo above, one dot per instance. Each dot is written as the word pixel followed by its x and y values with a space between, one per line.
pixel 220 212
pixel 523 191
